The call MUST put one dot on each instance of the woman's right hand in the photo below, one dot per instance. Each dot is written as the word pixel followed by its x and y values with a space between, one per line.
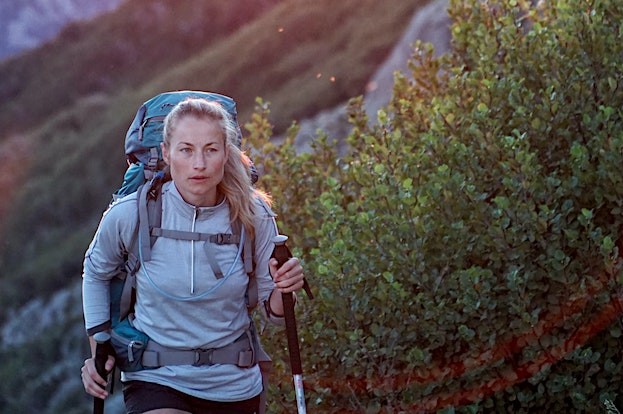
pixel 93 383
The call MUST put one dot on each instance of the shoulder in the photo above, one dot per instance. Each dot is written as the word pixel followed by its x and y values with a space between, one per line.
pixel 122 209
pixel 124 202
pixel 264 221
pixel 262 207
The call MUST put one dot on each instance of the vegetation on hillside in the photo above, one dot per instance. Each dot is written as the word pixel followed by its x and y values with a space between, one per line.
pixel 466 251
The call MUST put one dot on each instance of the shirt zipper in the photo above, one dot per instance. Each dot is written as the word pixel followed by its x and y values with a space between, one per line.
pixel 192 254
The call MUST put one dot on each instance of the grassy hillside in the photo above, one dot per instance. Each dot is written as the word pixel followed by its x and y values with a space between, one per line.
pixel 119 50
pixel 71 117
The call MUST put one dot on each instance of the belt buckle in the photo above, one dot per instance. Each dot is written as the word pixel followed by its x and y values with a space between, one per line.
pixel 203 357
pixel 223 238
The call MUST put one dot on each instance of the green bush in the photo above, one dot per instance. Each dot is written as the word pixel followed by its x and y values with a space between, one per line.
pixel 465 251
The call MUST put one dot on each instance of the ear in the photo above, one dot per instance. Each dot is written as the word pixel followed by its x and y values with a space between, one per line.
pixel 165 152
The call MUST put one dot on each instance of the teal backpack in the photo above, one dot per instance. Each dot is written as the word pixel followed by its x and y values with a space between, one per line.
pixel 145 176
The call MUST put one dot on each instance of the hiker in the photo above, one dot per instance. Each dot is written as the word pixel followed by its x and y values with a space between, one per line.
pixel 190 297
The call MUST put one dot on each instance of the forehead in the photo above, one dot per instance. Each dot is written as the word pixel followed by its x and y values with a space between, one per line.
pixel 197 130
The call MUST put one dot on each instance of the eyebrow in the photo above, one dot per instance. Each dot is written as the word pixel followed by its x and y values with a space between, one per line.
pixel 189 144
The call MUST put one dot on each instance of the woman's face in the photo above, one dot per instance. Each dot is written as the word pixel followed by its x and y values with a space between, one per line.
pixel 196 155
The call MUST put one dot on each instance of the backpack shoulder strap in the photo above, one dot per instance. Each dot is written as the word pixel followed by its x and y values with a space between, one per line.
pixel 144 239
pixel 149 207
pixel 248 258
pixel 149 204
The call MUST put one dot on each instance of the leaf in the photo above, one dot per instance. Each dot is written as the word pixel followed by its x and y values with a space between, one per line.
pixel 607 244
pixel 502 202
pixel 588 214
pixel 407 184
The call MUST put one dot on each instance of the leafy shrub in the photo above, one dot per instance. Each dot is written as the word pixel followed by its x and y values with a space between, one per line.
pixel 465 251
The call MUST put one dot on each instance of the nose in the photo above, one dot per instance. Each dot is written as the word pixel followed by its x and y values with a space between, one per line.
pixel 199 161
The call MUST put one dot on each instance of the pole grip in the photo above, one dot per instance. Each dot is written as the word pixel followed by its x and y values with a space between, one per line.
pixel 102 350
pixel 282 253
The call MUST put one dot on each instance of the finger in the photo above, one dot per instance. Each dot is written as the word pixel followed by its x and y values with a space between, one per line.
pixel 272 266
pixel 291 288
pixel 110 363
pixel 92 373
pixel 295 269
pixel 290 284
pixel 90 386
pixel 291 265
pixel 291 268
pixel 279 273
pixel 97 391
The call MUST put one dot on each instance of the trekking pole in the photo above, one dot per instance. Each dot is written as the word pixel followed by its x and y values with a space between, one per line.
pixel 282 254
pixel 102 350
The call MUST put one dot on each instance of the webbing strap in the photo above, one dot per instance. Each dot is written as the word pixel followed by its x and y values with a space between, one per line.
pixel 143 224
pixel 152 164
pixel 154 210
pixel 248 252
pixel 216 268
pixel 125 302
pixel 221 238
pixel 240 352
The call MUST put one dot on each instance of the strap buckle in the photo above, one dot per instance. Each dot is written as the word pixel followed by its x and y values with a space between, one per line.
pixel 223 238
pixel 203 357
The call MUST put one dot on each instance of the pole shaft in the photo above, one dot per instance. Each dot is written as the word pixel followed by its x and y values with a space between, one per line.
pixel 282 254
pixel 300 395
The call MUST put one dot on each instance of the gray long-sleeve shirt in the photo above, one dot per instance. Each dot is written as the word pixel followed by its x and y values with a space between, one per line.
pixel 180 303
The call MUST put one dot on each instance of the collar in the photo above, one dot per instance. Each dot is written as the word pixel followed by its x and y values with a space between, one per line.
pixel 170 191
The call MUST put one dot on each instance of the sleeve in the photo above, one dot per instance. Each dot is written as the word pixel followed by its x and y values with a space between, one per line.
pixel 104 259
pixel 265 230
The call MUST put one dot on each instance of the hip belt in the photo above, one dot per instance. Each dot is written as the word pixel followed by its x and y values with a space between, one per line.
pixel 240 352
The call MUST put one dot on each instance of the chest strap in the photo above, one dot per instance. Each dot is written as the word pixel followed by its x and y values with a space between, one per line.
pixel 240 352
pixel 221 238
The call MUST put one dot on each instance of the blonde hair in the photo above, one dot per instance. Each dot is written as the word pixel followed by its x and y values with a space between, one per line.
pixel 236 185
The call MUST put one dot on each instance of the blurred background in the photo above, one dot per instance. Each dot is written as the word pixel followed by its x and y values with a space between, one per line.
pixel 449 171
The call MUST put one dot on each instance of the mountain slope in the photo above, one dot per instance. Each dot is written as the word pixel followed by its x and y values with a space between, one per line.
pixel 116 51
pixel 26 24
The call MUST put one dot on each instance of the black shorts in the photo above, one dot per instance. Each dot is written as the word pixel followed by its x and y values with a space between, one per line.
pixel 143 396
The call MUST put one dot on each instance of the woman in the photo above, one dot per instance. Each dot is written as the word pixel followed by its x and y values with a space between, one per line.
pixel 181 303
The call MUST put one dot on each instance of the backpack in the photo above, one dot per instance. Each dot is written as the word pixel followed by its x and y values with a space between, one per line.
pixel 145 176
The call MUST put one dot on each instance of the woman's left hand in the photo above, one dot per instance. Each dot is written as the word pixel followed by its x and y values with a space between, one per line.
pixel 289 277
